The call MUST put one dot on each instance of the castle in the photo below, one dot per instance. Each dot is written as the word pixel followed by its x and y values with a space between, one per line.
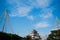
pixel 35 35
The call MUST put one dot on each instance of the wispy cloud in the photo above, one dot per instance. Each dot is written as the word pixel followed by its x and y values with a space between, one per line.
pixel 42 24
pixel 30 17
pixel 21 11
pixel 43 3
pixel 45 16
pixel 21 8
pixel 39 3
pixel 34 3
pixel 46 13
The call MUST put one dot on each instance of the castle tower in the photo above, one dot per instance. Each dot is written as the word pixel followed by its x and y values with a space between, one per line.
pixel 35 35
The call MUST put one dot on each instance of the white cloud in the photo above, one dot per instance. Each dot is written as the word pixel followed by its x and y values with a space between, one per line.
pixel 43 3
pixel 22 8
pixel 39 3
pixel 30 17
pixel 46 13
pixel 21 11
pixel 42 24
pixel 44 16
pixel 56 27
pixel 31 3
pixel 13 15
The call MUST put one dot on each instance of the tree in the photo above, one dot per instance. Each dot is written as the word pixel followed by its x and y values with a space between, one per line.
pixel 28 37
pixel 8 36
pixel 55 35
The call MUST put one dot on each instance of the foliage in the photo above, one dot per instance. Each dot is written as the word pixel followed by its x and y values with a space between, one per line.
pixel 55 35
pixel 6 36
pixel 28 37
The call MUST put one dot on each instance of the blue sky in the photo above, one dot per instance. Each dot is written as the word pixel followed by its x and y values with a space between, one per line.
pixel 26 15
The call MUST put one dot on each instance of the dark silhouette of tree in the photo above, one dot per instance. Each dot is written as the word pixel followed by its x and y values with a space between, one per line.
pixel 6 36
pixel 28 37
pixel 55 35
